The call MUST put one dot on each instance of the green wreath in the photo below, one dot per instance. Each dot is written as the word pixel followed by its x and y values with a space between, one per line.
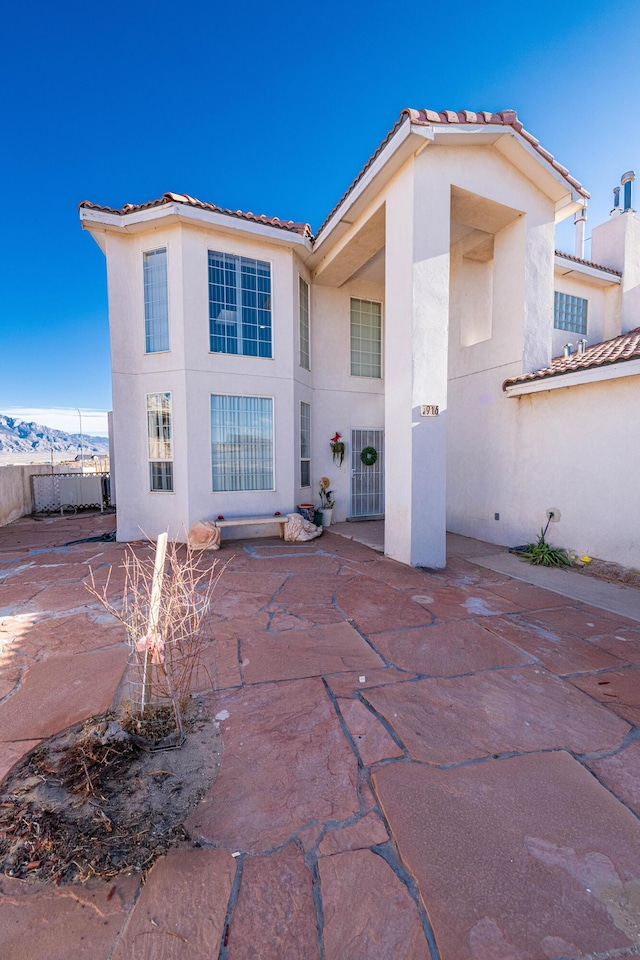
pixel 369 455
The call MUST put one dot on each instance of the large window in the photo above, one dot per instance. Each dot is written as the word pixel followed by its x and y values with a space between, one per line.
pixel 156 301
pixel 160 444
pixel 366 338
pixel 304 325
pixel 242 443
pixel 570 313
pixel 305 444
pixel 239 305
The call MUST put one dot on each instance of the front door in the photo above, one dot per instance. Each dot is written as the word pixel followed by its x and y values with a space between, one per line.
pixel 367 478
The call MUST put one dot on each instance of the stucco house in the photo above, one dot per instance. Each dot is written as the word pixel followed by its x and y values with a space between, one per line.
pixel 421 320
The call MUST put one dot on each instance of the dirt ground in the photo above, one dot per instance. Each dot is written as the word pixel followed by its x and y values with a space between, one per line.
pixel 92 802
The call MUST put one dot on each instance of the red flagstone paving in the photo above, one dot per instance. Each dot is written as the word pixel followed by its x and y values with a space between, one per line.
pixel 44 922
pixel 449 721
pixel 525 858
pixel 561 654
pixel 372 741
pixel 350 843
pixel 618 689
pixel 621 773
pixel 306 653
pixel 275 917
pixel 56 693
pixel 368 912
pixel 183 887
pixel 448 649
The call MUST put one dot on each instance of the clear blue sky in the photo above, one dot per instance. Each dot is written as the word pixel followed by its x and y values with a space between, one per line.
pixel 271 108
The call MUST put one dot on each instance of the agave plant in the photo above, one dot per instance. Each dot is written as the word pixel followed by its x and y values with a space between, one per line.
pixel 543 554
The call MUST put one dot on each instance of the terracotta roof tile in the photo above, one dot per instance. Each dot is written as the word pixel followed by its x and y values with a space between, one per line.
pixel 303 229
pixel 424 117
pixel 617 350
pixel 588 263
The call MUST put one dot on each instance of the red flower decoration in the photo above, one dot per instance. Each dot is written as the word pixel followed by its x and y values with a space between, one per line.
pixel 337 437
pixel 220 517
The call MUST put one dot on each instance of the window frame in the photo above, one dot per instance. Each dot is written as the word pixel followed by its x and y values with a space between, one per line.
pixel 244 396
pixel 305 460
pixel 154 458
pixel 304 324
pixel 570 301
pixel 147 302
pixel 367 376
pixel 239 290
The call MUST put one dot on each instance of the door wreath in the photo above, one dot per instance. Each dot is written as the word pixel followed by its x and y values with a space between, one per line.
pixel 369 455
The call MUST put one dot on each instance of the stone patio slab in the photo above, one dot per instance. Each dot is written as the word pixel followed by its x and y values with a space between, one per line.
pixel 448 649
pixel 181 910
pixel 372 741
pixel 45 922
pixel 526 596
pixel 621 773
pixel 316 588
pixel 559 653
pixel 58 692
pixel 11 753
pixel 618 689
pixel 581 621
pixel 462 602
pixel 325 649
pixel 368 831
pixel 624 644
pixel 466 718
pixel 67 596
pixel 519 859
pixel 315 613
pixel 14 596
pixel 269 786
pixel 275 915
pixel 54 636
pixel 368 912
pixel 376 607
pixel 349 684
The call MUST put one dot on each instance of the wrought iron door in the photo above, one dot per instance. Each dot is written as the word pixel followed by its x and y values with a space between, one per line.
pixel 367 482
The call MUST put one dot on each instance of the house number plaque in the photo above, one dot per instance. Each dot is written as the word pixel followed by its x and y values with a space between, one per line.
pixel 430 410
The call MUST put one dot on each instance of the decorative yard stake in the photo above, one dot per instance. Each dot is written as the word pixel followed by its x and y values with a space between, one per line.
pixel 152 644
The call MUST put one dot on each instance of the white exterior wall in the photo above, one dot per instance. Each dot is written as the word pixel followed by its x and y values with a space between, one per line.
pixel 340 401
pixel 191 374
pixel 566 448
pixel 616 243
pixel 603 311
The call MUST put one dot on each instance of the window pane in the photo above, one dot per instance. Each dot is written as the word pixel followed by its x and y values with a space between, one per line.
pixel 305 444
pixel 156 301
pixel 242 443
pixel 159 426
pixel 239 305
pixel 162 477
pixel 570 313
pixel 366 338
pixel 305 473
pixel 304 325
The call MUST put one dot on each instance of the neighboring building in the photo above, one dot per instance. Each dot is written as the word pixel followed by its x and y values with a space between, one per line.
pixel 241 344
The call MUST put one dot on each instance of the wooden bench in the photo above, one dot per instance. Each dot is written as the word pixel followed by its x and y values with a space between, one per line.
pixel 252 521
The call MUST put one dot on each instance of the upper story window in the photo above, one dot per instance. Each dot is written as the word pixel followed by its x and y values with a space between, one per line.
pixel 159 442
pixel 305 356
pixel 156 301
pixel 366 338
pixel 239 305
pixel 570 313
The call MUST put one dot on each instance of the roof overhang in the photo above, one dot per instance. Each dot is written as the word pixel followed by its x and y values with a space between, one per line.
pixel 612 371
pixel 565 267
pixel 100 222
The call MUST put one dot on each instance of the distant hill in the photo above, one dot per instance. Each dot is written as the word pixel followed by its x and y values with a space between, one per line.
pixel 19 437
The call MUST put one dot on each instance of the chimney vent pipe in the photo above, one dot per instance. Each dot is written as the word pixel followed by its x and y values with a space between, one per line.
pixel 626 180
pixel 582 345
pixel 616 202
pixel 567 350
pixel 579 220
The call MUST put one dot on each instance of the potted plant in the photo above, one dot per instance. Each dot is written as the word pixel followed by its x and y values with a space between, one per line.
pixel 327 502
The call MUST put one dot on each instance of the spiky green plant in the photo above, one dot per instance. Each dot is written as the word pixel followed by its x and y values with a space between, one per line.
pixel 543 554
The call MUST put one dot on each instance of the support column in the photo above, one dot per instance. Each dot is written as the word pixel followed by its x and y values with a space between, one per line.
pixel 416 358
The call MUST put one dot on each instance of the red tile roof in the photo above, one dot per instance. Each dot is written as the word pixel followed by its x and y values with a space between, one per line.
pixel 505 118
pixel 588 263
pixel 624 347
pixel 301 228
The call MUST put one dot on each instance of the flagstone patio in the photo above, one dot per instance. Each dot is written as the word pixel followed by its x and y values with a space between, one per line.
pixel 416 765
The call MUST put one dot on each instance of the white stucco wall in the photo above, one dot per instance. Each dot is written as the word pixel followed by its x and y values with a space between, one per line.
pixel 15 488
pixel 565 448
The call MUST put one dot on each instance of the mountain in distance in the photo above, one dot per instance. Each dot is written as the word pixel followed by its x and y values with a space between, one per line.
pixel 19 437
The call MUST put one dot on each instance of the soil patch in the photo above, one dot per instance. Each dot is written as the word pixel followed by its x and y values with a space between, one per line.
pixel 91 802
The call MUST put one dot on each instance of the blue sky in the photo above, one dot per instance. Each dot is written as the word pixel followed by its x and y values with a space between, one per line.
pixel 271 108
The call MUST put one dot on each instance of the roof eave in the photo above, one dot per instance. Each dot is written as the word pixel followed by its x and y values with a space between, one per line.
pixel 139 221
pixel 569 265
pixel 408 140
pixel 573 378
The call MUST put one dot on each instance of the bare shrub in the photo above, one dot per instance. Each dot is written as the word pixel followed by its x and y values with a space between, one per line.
pixel 164 604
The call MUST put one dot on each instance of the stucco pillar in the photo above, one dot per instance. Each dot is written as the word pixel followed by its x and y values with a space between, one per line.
pixel 416 350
